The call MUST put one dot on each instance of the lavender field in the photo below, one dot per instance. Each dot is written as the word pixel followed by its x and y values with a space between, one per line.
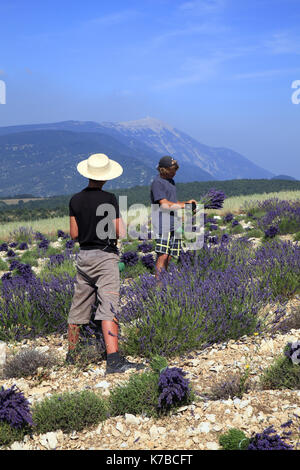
pixel 244 283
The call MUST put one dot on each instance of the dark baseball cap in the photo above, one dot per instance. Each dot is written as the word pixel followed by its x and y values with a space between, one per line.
pixel 166 162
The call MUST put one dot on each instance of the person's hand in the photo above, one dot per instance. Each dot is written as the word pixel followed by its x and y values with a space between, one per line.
pixel 191 201
pixel 194 204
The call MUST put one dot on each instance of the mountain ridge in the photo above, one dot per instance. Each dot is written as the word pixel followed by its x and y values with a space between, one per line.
pixel 32 154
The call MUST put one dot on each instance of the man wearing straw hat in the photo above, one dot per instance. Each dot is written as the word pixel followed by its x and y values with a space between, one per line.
pixel 96 223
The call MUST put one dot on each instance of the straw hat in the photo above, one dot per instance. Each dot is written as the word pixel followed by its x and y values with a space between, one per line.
pixel 99 167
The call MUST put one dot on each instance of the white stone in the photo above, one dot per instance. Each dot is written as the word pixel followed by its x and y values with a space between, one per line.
pixel 99 429
pixel 204 427
pixel 2 353
pixel 120 427
pixel 217 428
pixel 17 446
pixel 161 430
pixel 154 432
pixel 249 411
pixel 52 440
pixel 43 349
pixel 99 371
pixel 211 418
pixel 212 446
pixel 103 384
pixel 243 403
pixel 131 419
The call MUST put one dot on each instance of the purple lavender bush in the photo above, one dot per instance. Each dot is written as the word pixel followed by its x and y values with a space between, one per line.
pixel 228 218
pixel 174 388
pixel 269 439
pixel 145 247
pixel 148 261
pixel 30 307
pixel 272 231
pixel 44 244
pixel 212 296
pixel 285 215
pixel 23 246
pixel 130 258
pixel 292 352
pixel 14 408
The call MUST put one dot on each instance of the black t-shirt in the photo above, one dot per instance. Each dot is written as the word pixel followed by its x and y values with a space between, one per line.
pixel 95 211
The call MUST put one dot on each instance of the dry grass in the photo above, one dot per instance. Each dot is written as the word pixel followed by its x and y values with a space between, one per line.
pixel 233 204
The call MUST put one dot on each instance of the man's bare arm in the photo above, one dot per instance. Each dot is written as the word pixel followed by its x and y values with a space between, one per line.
pixel 165 204
pixel 73 228
pixel 120 228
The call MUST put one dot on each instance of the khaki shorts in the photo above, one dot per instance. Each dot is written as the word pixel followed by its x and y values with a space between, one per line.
pixel 97 276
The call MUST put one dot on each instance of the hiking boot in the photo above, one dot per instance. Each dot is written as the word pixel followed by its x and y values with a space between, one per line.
pixel 121 365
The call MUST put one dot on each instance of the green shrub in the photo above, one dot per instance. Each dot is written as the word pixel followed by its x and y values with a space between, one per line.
pixel 158 363
pixel 234 439
pixel 66 267
pixel 297 237
pixel 134 271
pixel 131 246
pixel 282 374
pixel 254 233
pixel 4 266
pixel 236 230
pixel 138 396
pixel 69 412
pixel 29 257
pixel 287 225
pixel 8 434
pixel 27 362
pixel 52 251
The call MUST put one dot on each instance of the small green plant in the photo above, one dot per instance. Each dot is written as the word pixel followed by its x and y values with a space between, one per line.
pixel 4 266
pixel 138 396
pixel 131 246
pixel 287 225
pixel 8 434
pixel 254 233
pixel 69 412
pixel 27 362
pixel 297 237
pixel 134 271
pixel 282 374
pixel 29 257
pixel 158 363
pixel 67 267
pixel 234 439
pixel 236 230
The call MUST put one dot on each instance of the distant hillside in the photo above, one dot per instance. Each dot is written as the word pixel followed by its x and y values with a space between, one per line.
pixel 44 162
pixel 284 177
pixel 41 158
pixel 58 206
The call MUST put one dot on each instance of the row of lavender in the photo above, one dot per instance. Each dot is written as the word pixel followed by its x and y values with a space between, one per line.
pixel 209 296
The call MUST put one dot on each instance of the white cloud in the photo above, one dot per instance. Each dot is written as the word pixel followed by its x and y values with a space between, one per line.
pixel 201 6
pixel 265 73
pixel 113 18
pixel 283 42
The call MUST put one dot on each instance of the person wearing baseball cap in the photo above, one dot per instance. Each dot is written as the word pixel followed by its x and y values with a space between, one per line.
pixel 96 223
pixel 163 193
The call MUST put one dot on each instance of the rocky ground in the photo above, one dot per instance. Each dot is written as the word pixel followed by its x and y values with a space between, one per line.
pixel 194 427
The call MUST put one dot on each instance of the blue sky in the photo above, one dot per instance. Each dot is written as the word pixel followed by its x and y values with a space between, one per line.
pixel 220 70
